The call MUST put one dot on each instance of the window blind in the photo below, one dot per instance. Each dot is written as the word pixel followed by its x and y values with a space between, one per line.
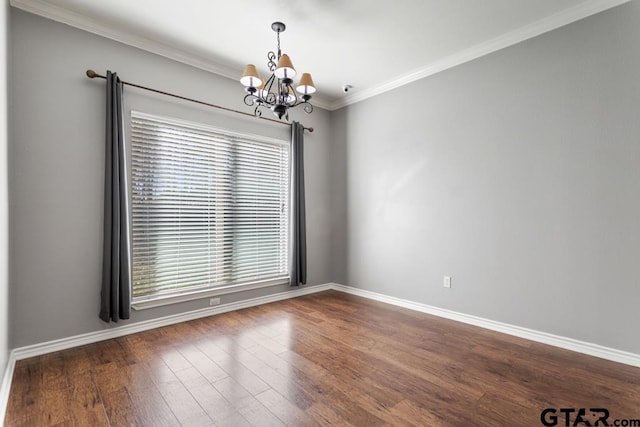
pixel 209 207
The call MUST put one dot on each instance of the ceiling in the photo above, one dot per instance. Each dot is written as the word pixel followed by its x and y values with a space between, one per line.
pixel 372 45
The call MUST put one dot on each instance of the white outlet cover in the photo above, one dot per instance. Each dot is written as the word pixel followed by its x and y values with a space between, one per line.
pixel 447 281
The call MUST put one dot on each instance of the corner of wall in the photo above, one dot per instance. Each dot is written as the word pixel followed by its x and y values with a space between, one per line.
pixel 4 213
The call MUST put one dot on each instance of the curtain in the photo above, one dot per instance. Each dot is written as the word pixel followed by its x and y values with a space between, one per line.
pixel 299 227
pixel 116 273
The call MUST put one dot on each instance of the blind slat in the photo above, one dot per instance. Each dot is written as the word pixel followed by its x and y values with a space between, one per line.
pixel 209 207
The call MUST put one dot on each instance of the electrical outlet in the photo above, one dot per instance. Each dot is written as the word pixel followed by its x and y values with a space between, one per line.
pixel 447 281
pixel 214 301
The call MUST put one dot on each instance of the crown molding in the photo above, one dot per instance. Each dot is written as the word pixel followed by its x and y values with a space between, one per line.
pixel 83 22
pixel 100 28
pixel 77 20
pixel 534 29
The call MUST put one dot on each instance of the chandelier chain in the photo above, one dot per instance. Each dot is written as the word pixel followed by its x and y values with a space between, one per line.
pixel 279 52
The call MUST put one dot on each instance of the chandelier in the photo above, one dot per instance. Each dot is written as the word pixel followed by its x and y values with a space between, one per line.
pixel 276 93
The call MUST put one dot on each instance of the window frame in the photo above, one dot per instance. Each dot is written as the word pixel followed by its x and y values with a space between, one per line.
pixel 157 300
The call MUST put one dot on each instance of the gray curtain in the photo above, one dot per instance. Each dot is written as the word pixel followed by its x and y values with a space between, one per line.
pixel 299 225
pixel 116 275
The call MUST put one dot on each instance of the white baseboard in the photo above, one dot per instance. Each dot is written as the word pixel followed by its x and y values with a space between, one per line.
pixel 5 388
pixel 92 337
pixel 542 337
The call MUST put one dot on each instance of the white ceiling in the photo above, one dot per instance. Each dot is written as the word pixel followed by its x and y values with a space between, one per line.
pixel 373 45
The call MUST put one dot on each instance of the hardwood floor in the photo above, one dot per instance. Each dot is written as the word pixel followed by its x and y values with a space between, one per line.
pixel 324 359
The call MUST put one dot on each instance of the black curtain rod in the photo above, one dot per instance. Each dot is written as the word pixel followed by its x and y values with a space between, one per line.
pixel 92 74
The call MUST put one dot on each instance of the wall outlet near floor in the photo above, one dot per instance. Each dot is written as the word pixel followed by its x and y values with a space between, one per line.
pixel 214 301
pixel 447 281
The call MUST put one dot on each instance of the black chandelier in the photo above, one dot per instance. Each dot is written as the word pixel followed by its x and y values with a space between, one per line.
pixel 277 92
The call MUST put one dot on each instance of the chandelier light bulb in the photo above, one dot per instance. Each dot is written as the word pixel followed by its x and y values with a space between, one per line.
pixel 291 96
pixel 261 90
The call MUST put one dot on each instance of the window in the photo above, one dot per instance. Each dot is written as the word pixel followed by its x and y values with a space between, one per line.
pixel 210 210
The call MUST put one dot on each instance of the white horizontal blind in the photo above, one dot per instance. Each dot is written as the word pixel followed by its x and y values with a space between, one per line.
pixel 209 207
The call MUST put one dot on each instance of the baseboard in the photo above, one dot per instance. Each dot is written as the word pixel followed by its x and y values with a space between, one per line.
pixel 92 337
pixel 530 334
pixel 5 388
pixel 542 337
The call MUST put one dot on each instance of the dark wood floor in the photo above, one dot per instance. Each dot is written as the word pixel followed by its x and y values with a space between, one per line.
pixel 322 359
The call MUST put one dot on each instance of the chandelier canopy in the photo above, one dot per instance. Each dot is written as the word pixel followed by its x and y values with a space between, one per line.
pixel 276 93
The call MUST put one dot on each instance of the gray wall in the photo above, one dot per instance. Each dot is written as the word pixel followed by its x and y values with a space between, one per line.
pixel 518 174
pixel 56 159
pixel 4 190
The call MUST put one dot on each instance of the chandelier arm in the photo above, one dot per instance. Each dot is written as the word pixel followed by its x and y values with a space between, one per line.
pixel 249 99
pixel 270 98
pixel 308 108
pixel 269 84
pixel 271 56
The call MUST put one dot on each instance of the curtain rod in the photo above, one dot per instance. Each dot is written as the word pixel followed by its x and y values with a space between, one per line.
pixel 92 74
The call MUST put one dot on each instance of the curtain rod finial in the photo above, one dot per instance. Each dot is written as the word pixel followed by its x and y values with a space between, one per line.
pixel 310 130
pixel 91 74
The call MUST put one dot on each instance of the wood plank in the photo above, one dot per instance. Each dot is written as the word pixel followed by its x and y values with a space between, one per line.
pixel 207 367
pixel 288 413
pixel 53 400
pixel 23 401
pixel 183 405
pixel 236 370
pixel 85 402
pixel 258 415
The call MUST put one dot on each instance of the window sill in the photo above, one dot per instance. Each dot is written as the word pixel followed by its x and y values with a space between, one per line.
pixel 151 302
